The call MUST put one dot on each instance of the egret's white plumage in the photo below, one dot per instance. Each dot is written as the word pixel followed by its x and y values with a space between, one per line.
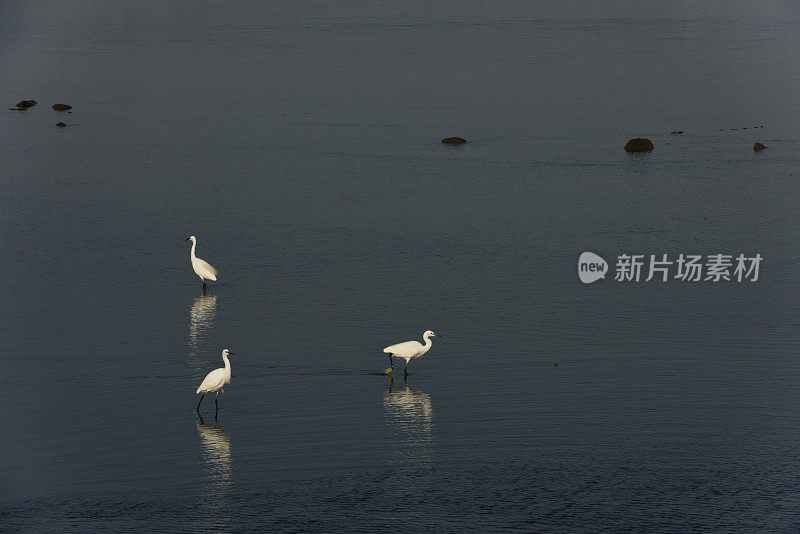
pixel 201 267
pixel 216 379
pixel 410 350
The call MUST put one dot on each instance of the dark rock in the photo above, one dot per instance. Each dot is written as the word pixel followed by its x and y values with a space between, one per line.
pixel 61 107
pixel 453 140
pixel 758 146
pixel 25 104
pixel 60 124
pixel 676 132
pixel 639 145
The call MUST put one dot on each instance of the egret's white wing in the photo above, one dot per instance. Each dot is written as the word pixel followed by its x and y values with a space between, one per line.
pixel 213 381
pixel 404 350
pixel 205 270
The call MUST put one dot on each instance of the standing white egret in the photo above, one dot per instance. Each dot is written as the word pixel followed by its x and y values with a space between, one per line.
pixel 409 350
pixel 215 380
pixel 201 267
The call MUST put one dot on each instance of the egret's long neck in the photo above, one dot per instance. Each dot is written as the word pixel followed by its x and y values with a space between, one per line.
pixel 227 365
pixel 194 244
pixel 428 342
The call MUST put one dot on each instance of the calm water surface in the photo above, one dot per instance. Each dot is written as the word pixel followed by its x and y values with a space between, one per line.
pixel 300 143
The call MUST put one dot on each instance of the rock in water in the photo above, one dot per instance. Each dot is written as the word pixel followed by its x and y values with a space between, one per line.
pixel 758 146
pixel 25 104
pixel 639 145
pixel 61 107
pixel 60 124
pixel 453 140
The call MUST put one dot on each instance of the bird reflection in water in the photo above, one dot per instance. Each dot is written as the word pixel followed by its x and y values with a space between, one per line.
pixel 411 414
pixel 215 446
pixel 201 319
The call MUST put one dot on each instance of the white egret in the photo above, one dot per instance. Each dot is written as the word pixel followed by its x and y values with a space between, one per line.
pixel 410 350
pixel 201 267
pixel 215 380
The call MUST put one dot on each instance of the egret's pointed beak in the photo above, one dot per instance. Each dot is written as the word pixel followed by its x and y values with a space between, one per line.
pixel 439 335
pixel 230 353
pixel 188 239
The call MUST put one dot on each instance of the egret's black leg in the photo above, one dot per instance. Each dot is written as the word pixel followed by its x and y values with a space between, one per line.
pixel 205 287
pixel 215 404
pixel 391 363
pixel 405 369
pixel 201 400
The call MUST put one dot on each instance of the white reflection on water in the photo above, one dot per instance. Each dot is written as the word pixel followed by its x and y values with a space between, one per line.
pixel 216 453
pixel 411 413
pixel 201 319
pixel 216 447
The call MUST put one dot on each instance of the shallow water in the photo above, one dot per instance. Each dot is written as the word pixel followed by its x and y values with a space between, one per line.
pixel 300 144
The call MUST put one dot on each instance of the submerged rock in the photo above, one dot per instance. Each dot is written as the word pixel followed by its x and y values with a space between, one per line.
pixel 60 124
pixel 61 107
pixel 639 144
pixel 759 146
pixel 453 140
pixel 25 104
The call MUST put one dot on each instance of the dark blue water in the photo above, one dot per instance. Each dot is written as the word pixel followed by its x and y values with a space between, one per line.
pixel 300 144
